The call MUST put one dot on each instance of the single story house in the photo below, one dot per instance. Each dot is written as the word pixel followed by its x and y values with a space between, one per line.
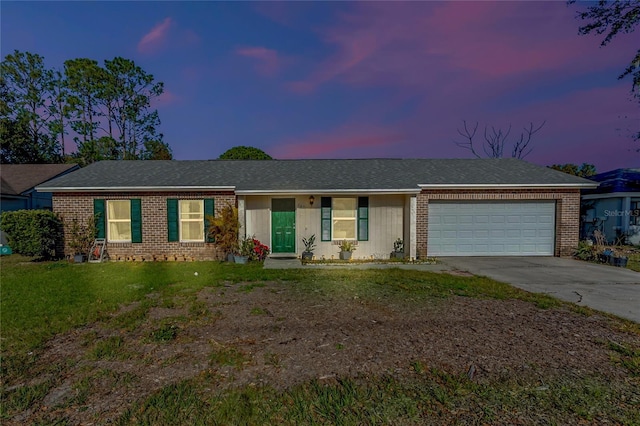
pixel 18 182
pixel 613 207
pixel 439 207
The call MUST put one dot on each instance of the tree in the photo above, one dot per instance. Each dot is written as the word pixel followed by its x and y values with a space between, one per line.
pixel 25 92
pixel 108 109
pixel 612 18
pixel 156 150
pixel 59 109
pixel 83 76
pixel 583 170
pixel 128 93
pixel 495 140
pixel 245 153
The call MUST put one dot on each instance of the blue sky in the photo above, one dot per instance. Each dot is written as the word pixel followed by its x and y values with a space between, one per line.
pixel 355 80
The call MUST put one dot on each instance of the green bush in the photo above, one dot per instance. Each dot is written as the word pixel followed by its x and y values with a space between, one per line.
pixel 32 232
pixel 586 251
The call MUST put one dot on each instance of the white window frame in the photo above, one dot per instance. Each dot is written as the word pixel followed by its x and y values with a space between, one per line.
pixel 199 220
pixel 111 220
pixel 353 218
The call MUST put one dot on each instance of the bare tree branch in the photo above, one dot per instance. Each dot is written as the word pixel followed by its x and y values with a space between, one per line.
pixel 521 147
pixel 468 135
pixel 495 140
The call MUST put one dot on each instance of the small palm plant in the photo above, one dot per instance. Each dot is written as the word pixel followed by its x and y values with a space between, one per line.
pixel 347 247
pixel 309 246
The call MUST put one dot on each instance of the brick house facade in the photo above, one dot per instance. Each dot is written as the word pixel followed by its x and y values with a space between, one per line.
pixel 567 211
pixel 155 244
pixel 387 199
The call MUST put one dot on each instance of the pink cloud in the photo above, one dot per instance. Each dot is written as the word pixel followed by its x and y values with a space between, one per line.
pixel 268 62
pixel 422 45
pixel 155 38
pixel 349 141
pixel 191 37
pixel 166 98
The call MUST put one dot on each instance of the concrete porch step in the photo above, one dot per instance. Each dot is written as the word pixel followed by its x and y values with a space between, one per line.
pixel 282 263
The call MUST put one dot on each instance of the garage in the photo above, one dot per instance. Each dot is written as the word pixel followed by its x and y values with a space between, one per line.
pixel 491 228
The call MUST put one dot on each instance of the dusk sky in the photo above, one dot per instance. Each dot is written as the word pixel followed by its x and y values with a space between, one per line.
pixel 355 80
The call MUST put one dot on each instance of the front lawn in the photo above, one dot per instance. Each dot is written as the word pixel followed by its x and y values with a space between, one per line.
pixel 211 343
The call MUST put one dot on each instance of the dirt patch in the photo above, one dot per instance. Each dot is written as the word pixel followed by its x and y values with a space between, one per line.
pixel 239 335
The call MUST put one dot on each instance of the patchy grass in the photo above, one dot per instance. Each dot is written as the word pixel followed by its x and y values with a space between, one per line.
pixel 634 262
pixel 165 333
pixel 108 349
pixel 627 356
pixel 23 397
pixel 258 311
pixel 40 300
pixel 432 397
pixel 228 356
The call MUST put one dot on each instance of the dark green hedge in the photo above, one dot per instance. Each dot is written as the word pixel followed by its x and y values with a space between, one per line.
pixel 32 232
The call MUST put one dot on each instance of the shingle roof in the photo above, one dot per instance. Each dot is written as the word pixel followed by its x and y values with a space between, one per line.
pixel 310 175
pixel 19 178
pixel 618 180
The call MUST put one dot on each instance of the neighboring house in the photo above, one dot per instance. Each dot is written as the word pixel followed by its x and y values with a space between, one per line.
pixel 613 207
pixel 474 207
pixel 18 182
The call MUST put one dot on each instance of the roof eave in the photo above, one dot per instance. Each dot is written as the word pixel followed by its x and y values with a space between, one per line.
pixel 509 186
pixel 328 191
pixel 133 188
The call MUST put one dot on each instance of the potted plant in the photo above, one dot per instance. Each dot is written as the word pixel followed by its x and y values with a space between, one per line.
pixel 398 249
pixel 346 249
pixel 245 250
pixel 81 237
pixel 309 246
pixel 223 229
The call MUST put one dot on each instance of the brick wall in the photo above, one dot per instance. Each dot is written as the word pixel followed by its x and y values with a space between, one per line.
pixel 567 211
pixel 154 224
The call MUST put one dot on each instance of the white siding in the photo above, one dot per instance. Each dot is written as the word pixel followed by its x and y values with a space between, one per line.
pixel 258 218
pixel 386 224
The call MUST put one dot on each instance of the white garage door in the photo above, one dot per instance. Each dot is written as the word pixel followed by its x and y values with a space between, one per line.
pixel 491 229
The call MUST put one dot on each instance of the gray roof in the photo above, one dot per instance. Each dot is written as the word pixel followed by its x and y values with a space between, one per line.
pixel 16 179
pixel 311 175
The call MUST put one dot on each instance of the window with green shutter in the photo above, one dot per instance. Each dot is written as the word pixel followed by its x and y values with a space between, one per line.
pixel 98 212
pixel 136 220
pixel 325 215
pixel 119 220
pixel 363 218
pixel 209 211
pixel 187 219
pixel 172 219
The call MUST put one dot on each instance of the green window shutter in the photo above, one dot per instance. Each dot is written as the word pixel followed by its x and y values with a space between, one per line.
pixel 136 221
pixel 172 219
pixel 325 217
pixel 208 211
pixel 363 218
pixel 98 212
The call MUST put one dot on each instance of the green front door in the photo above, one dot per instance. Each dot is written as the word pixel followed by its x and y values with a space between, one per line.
pixel 283 225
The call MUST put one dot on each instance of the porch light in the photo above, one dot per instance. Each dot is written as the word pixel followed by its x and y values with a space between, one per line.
pixel 311 200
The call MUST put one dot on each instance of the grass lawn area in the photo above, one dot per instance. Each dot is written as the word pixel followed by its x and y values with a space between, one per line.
pixel 215 343
pixel 634 262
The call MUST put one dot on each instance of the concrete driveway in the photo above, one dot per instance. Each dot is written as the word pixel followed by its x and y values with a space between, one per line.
pixel 605 288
